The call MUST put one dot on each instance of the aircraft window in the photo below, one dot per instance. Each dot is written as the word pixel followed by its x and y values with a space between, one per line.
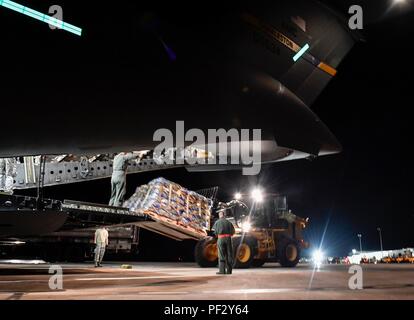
pixel 52 172
pixel 104 167
pixel 60 171
pixel 76 168
pixel 99 168
pixel 68 170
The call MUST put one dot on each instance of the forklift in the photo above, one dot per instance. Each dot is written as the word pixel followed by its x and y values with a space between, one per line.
pixel 266 231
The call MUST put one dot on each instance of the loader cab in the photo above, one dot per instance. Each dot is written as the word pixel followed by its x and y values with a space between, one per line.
pixel 270 213
pixel 267 213
pixel 273 215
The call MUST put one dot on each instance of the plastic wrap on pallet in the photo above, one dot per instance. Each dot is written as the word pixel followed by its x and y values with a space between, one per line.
pixel 134 203
pixel 170 200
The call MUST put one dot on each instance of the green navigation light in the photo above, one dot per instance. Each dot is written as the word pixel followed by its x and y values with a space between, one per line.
pixel 301 52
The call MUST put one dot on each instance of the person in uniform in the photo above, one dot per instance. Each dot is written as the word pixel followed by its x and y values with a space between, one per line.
pixel 7 173
pixel 224 230
pixel 101 241
pixel 118 179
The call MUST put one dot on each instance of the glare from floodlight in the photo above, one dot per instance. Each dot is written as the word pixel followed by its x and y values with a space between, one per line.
pixel 246 226
pixel 237 196
pixel 318 256
pixel 257 195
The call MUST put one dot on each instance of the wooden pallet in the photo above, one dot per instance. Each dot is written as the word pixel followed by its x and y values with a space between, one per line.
pixel 176 224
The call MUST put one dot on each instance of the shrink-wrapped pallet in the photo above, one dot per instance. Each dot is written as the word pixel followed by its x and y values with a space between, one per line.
pixel 168 201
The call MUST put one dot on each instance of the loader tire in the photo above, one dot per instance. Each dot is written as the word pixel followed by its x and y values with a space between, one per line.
pixel 244 252
pixel 205 253
pixel 288 252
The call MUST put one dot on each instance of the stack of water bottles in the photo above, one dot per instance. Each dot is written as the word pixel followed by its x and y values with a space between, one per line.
pixel 170 200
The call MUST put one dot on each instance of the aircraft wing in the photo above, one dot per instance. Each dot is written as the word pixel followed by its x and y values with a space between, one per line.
pixel 110 90
pixel 285 29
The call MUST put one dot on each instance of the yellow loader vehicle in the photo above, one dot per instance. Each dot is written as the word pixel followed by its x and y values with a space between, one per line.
pixel 266 232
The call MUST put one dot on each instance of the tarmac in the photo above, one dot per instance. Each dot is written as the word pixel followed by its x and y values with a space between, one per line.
pixel 21 280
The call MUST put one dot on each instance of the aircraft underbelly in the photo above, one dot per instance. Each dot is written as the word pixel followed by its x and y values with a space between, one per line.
pixel 238 74
pixel 30 222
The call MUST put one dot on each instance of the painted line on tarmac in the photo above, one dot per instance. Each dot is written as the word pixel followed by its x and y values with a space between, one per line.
pixel 143 278
pixel 18 281
pixel 252 291
pixel 232 291
pixel 164 292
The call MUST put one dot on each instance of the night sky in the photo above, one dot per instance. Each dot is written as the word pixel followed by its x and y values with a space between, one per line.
pixel 368 108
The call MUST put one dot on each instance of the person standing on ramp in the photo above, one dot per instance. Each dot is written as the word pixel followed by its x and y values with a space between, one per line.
pixel 118 179
pixel 224 230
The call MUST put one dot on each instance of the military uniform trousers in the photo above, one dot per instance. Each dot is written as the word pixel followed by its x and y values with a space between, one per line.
pixel 118 188
pixel 225 255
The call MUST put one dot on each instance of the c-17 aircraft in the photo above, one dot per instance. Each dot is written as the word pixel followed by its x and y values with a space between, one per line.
pixel 134 71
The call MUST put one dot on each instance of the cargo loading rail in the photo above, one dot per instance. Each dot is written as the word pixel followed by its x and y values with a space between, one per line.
pixel 86 214
pixel 97 214
pixel 22 216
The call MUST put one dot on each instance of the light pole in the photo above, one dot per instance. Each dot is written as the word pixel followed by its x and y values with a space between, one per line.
pixel 380 237
pixel 360 242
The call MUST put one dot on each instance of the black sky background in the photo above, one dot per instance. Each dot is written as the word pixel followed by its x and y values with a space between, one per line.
pixel 367 106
